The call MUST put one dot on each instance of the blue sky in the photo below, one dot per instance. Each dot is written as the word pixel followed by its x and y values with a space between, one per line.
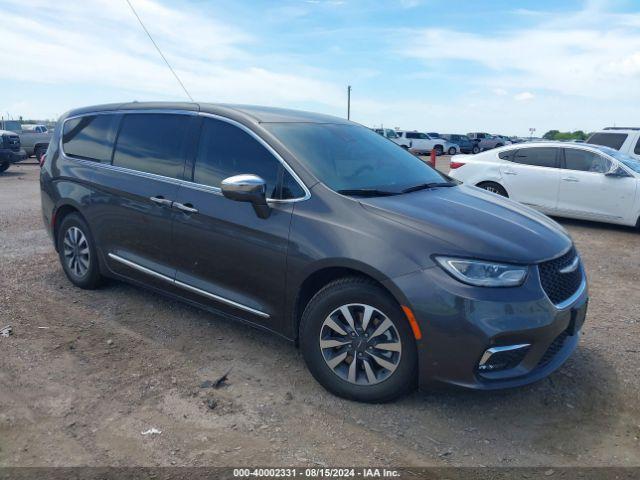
pixel 448 66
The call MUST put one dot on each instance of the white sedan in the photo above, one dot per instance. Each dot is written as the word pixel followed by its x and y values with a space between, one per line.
pixel 583 181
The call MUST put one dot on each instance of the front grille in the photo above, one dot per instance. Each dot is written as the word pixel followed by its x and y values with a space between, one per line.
pixel 12 142
pixel 560 286
pixel 553 349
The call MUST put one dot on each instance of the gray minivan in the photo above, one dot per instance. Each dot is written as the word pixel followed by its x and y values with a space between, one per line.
pixel 385 272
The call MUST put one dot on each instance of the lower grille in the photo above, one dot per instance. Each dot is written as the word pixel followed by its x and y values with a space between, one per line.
pixel 553 349
pixel 559 278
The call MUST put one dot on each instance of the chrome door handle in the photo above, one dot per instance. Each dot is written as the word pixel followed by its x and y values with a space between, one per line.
pixel 188 208
pixel 159 200
pixel 570 179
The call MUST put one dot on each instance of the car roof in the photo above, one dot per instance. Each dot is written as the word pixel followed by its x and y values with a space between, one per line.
pixel 550 144
pixel 248 113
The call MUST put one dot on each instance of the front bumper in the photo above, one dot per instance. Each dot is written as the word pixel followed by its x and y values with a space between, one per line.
pixel 459 323
pixel 12 156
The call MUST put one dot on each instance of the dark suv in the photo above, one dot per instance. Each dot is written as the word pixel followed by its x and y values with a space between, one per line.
pixel 384 271
pixel 10 150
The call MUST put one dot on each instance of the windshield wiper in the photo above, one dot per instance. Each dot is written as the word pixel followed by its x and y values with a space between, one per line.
pixel 367 192
pixel 424 186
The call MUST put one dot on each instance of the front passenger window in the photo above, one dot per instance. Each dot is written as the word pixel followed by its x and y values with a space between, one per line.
pixel 226 150
pixel 585 161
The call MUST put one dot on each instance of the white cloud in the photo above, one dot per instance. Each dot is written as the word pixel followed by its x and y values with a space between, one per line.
pixel 590 53
pixel 99 44
pixel 524 96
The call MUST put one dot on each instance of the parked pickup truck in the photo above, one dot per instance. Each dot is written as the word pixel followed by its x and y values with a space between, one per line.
pixel 486 141
pixel 33 140
pixel 423 143
pixel 10 151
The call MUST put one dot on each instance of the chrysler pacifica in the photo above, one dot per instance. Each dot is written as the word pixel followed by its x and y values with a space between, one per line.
pixel 386 273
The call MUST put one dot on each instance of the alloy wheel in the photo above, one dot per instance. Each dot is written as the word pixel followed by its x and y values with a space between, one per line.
pixel 360 344
pixel 76 251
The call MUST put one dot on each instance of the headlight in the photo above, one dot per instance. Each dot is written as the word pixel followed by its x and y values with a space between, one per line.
pixel 484 274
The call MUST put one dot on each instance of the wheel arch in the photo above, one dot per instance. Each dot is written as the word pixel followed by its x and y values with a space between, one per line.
pixel 59 214
pixel 326 273
pixel 492 180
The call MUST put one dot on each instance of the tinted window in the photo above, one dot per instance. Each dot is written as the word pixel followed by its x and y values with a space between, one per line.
pixel 153 143
pixel 412 135
pixel 540 157
pixel 90 137
pixel 345 157
pixel 506 155
pixel 225 150
pixel 585 161
pixel 636 150
pixel 613 140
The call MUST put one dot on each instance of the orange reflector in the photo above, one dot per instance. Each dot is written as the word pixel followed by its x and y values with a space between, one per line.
pixel 412 321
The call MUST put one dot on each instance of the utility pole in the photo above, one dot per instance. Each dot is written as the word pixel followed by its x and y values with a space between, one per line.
pixel 348 102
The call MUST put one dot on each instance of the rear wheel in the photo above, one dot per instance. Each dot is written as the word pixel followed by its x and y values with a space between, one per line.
pixel 357 342
pixel 39 151
pixel 4 166
pixel 77 252
pixel 494 188
pixel 452 150
pixel 475 149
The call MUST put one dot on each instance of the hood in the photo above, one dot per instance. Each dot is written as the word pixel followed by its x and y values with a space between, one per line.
pixel 476 224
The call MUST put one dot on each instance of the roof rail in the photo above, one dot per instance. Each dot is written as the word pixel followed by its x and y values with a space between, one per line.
pixel 622 128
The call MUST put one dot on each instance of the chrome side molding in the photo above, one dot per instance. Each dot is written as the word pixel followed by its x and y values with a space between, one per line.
pixel 186 286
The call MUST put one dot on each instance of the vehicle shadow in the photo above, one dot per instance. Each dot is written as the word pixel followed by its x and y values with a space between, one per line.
pixel 605 227
pixel 12 174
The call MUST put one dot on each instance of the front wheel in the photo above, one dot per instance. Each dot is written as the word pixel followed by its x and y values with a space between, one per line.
pixel 4 166
pixel 39 151
pixel 452 150
pixel 475 149
pixel 357 342
pixel 439 150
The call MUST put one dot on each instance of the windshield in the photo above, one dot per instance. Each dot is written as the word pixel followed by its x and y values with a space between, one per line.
pixel 627 160
pixel 351 157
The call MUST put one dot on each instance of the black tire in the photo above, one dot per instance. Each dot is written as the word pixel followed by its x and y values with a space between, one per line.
pixel 439 150
pixel 475 149
pixel 357 290
pixel 493 187
pixel 452 150
pixel 90 278
pixel 498 145
pixel 4 166
pixel 405 147
pixel 39 151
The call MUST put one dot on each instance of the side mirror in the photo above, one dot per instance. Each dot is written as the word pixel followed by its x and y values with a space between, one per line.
pixel 247 188
pixel 617 172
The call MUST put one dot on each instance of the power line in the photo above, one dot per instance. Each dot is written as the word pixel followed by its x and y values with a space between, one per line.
pixel 159 51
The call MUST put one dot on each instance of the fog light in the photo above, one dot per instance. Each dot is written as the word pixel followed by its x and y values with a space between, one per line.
pixel 502 358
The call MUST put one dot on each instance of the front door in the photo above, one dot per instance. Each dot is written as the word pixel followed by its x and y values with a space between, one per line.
pixel 227 257
pixel 586 192
pixel 532 177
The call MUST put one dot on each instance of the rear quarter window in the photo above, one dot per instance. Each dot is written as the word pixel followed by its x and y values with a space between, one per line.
pixel 611 140
pixel 90 137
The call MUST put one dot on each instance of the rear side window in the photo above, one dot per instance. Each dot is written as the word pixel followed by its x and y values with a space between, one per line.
pixel 90 137
pixel 611 140
pixel 226 150
pixel 585 161
pixel 538 157
pixel 636 150
pixel 412 135
pixel 153 143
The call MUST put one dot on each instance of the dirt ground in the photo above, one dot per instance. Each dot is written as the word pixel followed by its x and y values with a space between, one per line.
pixel 86 372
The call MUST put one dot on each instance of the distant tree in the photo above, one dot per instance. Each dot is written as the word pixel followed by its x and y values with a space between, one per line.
pixel 558 135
